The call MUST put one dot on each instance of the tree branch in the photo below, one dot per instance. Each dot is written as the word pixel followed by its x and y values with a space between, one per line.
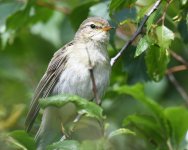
pixel 178 58
pixel 178 87
pixel 177 69
pixel 139 30
pixel 162 18
pixel 171 77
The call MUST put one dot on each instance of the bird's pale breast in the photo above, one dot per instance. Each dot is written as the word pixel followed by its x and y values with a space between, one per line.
pixel 76 79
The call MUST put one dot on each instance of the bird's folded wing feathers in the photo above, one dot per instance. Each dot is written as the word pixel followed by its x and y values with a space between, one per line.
pixel 46 84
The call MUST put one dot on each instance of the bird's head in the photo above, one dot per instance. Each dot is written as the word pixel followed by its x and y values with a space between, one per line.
pixel 94 28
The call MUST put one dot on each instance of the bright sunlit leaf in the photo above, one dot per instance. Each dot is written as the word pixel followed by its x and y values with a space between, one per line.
pixel 164 36
pixel 142 46
pixel 121 131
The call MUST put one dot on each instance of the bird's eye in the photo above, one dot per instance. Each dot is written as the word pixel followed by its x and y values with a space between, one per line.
pixel 93 26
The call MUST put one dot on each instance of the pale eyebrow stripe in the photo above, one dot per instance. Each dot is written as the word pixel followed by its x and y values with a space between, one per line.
pixel 91 22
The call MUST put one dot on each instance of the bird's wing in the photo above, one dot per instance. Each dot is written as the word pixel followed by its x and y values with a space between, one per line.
pixel 46 84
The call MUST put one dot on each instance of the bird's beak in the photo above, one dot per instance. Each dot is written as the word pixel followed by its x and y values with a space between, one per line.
pixel 107 28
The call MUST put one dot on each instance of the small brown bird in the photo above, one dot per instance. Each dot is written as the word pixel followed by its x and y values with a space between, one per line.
pixel 68 72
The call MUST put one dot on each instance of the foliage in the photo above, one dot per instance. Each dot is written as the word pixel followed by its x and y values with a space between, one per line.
pixel 23 140
pixel 147 98
pixel 90 109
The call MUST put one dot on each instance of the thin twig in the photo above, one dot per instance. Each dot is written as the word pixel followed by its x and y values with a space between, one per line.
pixel 139 31
pixel 162 18
pixel 94 87
pixel 178 58
pixel 178 87
pixel 177 69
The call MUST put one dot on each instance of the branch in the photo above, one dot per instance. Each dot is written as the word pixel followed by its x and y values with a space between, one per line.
pixel 178 58
pixel 177 69
pixel 162 18
pixel 139 30
pixel 178 87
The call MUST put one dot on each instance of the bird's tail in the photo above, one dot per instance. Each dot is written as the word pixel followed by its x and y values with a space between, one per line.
pixel 53 122
pixel 50 129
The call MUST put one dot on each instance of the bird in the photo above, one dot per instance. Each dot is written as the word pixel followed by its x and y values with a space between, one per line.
pixel 68 72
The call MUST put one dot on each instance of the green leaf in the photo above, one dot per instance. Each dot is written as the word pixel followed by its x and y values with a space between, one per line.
pixel 128 3
pixel 65 145
pixel 120 132
pixel 99 144
pixel 24 140
pixel 146 126
pixel 13 23
pixel 132 66
pixel 89 108
pixel 31 14
pixel 7 8
pixel 142 46
pixel 137 92
pixel 177 117
pixel 147 4
pixel 156 61
pixel 152 19
pixel 117 4
pixel 40 14
pixel 76 18
pixel 25 15
pixel 164 36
